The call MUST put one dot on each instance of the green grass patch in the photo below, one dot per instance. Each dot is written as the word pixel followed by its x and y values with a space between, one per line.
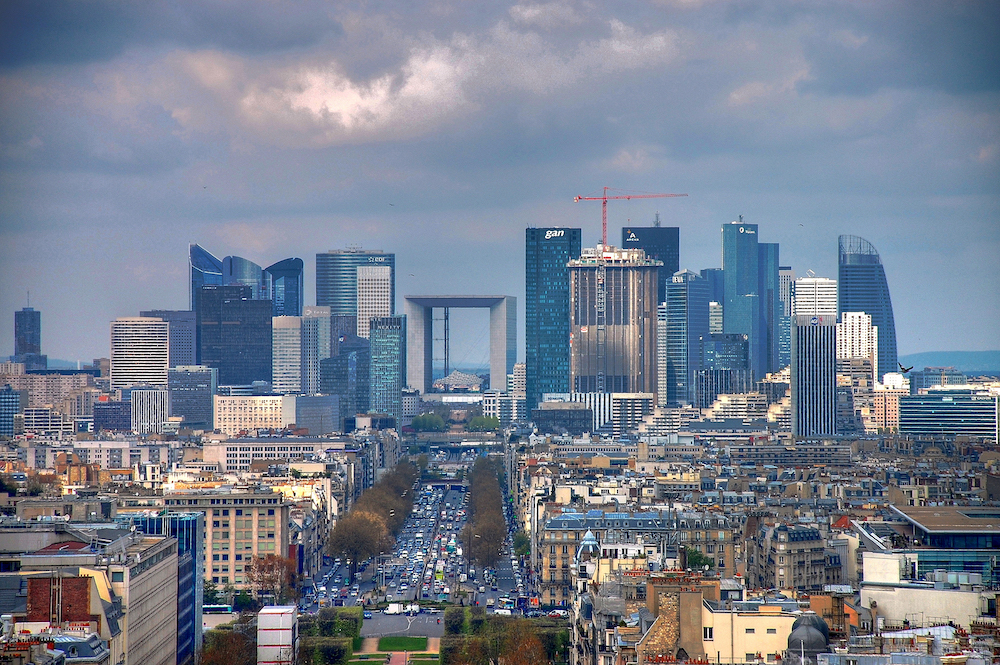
pixel 436 661
pixel 402 643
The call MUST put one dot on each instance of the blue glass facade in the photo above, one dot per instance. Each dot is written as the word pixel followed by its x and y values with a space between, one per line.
pixel 234 334
pixel 546 309
pixel 950 413
pixel 337 278
pixel 662 243
pixel 239 271
pixel 205 270
pixel 27 332
pixel 347 374
pixel 741 304
pixel 814 376
pixel 686 324
pixel 113 416
pixel 771 308
pixel 12 402
pixel 191 390
pixel 862 287
pixel 285 286
pixel 387 369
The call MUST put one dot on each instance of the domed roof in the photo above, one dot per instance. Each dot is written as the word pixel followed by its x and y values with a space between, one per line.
pixel 808 639
pixel 814 620
pixel 589 547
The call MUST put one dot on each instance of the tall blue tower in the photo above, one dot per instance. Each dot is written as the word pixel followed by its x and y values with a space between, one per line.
pixel 685 324
pixel 285 285
pixel 387 365
pixel 741 312
pixel 337 278
pixel 546 309
pixel 662 243
pixel 206 270
pixel 862 287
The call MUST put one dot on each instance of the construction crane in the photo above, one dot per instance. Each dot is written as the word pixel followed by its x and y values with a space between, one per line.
pixel 604 205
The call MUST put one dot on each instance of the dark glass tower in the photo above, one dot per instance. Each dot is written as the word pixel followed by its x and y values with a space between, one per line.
pixel 686 323
pixel 771 311
pixel 285 285
pixel 662 243
pixel 337 277
pixel 347 376
pixel 741 307
pixel 546 309
pixel 862 287
pixel 387 339
pixel 28 339
pixel 239 271
pixel 234 334
pixel 205 270
pixel 814 376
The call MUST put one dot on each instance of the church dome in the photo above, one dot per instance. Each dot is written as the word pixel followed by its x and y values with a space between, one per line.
pixel 813 620
pixel 589 547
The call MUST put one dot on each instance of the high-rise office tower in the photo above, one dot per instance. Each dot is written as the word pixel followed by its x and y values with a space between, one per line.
pixel 684 323
pixel 150 410
pixel 206 270
pixel 863 288
pixel 285 287
pixel 387 345
pixel 814 375
pixel 661 243
pixel 237 271
pixel 741 306
pixel 785 278
pixel 374 295
pixel 191 389
pixel 716 279
pixel 337 277
pixel 317 345
pixel 286 355
pixel 769 291
pixel 613 296
pixel 140 352
pixel 858 338
pixel 346 374
pixel 28 339
pixel 714 318
pixel 183 334
pixel 546 309
pixel 814 296
pixel 234 334
pixel 723 368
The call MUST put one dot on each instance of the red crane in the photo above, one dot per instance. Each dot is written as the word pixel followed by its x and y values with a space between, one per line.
pixel 604 205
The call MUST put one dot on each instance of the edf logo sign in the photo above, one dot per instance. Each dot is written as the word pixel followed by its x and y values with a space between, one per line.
pixel 554 234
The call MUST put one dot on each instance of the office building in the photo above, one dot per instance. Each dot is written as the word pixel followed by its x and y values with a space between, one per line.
pixel 12 403
pixel 243 414
pixel 785 278
pixel 28 339
pixel 113 416
pixel 285 286
pixel 234 334
pixel 814 296
pixel 546 309
pixel 337 277
pixel 375 294
pixel 723 368
pixel 286 355
pixel 140 352
pixel 183 334
pixel 715 318
pixel 949 412
pixel 346 376
pixel 192 388
pixel 682 326
pixel 613 321
pixel 716 279
pixel 769 292
pixel 387 366
pixel 814 375
pixel 863 288
pixel 741 304
pixel 317 345
pixel 319 414
pixel 150 410
pixel 858 338
pixel 661 243
pixel 237 271
pixel 206 270
pixel 256 524
pixel 922 379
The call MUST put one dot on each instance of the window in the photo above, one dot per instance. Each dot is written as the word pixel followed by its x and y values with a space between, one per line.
pixel 751 631
pixel 772 631
pixel 118 576
pixel 707 633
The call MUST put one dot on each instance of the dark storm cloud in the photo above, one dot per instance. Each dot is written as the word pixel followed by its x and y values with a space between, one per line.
pixel 75 31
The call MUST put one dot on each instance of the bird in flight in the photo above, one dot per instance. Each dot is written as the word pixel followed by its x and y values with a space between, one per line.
pixel 904 370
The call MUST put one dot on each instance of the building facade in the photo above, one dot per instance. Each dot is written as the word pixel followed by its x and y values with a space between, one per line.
pixel 858 338
pixel 183 334
pixel 286 287
pixel 684 322
pixel 140 352
pixel 863 288
pixel 814 376
pixel 286 355
pixel 662 243
pixel 317 345
pixel 546 309
pixel 234 415
pixel 375 294
pixel 192 388
pixel 387 366
pixel 234 334
pixel 337 277
pixel 613 321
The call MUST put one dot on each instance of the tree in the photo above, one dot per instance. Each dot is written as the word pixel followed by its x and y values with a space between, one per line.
pixel 357 536
pixel 429 422
pixel 522 544
pixel 228 647
pixel 211 593
pixel 483 424
pixel 696 559
pixel 272 574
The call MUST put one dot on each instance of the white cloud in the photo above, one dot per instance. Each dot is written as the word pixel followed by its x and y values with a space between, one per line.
pixel 549 15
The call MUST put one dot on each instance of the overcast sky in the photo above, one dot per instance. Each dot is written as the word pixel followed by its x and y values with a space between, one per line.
pixel 439 130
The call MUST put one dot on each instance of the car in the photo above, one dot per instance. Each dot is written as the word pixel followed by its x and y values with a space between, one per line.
pixel 558 614
pixel 367 614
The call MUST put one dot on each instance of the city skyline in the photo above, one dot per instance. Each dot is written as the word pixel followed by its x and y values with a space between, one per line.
pixel 295 133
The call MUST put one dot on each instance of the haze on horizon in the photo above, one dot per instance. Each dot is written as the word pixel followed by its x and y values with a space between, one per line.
pixel 440 130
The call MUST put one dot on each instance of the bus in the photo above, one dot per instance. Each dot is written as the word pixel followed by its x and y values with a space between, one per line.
pixel 216 609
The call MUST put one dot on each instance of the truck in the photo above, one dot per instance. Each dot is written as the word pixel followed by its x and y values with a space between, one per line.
pixel 394 608
pixel 412 609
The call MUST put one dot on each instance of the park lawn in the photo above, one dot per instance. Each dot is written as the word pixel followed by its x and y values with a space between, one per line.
pixel 402 643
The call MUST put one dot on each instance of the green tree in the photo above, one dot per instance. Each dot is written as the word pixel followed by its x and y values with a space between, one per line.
pixel 696 559
pixel 483 424
pixel 429 422
pixel 522 544
pixel 212 595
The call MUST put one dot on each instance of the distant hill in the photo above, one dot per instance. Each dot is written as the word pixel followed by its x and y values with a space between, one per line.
pixel 964 361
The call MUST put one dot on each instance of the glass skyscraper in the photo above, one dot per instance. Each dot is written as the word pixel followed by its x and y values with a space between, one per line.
pixel 183 334
pixel 28 339
pixel 205 270
pixel 346 375
pixel 685 323
pixel 814 375
pixel 387 345
pixel 234 334
pixel 863 288
pixel 285 286
pixel 662 243
pixel 191 389
pixel 239 271
pixel 771 311
pixel 337 277
pixel 546 309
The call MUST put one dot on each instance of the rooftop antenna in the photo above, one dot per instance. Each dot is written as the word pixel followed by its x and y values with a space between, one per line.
pixel 656 219
pixel 29 299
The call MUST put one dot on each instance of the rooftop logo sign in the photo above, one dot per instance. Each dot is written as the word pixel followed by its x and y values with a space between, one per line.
pixel 554 234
